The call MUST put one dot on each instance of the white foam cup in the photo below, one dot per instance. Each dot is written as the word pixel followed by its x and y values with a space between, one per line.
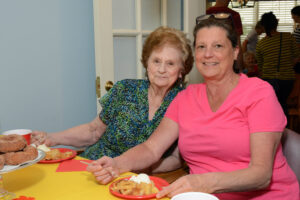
pixel 26 133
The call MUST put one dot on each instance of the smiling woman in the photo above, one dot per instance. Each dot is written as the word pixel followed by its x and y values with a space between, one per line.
pixel 164 68
pixel 133 109
pixel 228 130
pixel 215 54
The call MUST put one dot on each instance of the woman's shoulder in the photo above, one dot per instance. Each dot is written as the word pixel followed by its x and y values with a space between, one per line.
pixel 251 91
pixel 135 82
pixel 267 41
pixel 244 79
pixel 192 89
pixel 129 87
pixel 254 85
pixel 287 36
pixel 132 84
pixel 261 42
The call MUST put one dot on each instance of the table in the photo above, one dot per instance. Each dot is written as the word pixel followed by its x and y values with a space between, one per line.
pixel 44 183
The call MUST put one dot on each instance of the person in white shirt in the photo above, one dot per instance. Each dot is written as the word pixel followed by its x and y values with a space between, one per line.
pixel 250 42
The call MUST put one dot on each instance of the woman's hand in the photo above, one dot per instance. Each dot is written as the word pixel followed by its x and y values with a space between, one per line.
pixel 104 169
pixel 188 183
pixel 39 137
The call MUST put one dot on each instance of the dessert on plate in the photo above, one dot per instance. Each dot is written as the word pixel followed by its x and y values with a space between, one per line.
pixel 139 185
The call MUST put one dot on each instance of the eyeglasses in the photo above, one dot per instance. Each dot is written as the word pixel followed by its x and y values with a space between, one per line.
pixel 221 16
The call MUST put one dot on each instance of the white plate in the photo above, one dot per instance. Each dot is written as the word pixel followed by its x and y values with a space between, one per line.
pixel 194 196
pixel 9 168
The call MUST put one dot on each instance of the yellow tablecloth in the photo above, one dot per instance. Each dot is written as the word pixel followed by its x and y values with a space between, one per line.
pixel 44 183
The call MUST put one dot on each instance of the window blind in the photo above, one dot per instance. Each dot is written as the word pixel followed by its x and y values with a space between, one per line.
pixel 282 10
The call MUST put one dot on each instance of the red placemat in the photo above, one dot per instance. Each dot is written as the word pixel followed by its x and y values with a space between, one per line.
pixel 72 166
pixel 24 198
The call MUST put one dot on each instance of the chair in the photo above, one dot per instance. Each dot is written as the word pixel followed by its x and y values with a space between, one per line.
pixel 294 117
pixel 291 150
pixel 294 108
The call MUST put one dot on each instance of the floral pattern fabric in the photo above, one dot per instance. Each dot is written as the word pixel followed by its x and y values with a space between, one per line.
pixel 125 112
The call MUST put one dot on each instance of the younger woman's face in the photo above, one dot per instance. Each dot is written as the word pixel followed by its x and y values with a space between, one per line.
pixel 214 53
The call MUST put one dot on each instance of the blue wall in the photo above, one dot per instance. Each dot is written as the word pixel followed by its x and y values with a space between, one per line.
pixel 47 69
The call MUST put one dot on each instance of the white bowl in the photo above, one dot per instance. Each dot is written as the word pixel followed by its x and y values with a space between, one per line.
pixel 194 196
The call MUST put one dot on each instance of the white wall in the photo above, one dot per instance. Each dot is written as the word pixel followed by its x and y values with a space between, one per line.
pixel 47 69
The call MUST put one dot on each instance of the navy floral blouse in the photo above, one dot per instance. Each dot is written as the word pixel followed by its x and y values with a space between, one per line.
pixel 125 112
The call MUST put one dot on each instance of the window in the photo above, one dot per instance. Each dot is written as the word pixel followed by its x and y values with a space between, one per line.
pixel 282 10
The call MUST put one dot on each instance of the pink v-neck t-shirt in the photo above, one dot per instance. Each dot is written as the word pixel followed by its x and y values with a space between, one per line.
pixel 220 141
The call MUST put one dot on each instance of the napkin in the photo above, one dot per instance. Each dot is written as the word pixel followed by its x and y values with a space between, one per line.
pixel 72 166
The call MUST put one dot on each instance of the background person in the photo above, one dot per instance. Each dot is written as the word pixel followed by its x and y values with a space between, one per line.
pixel 221 6
pixel 276 55
pixel 229 130
pixel 132 109
pixel 250 41
pixel 294 96
pixel 295 12
pixel 250 64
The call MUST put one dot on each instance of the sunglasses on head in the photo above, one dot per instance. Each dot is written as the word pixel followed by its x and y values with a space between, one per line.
pixel 220 16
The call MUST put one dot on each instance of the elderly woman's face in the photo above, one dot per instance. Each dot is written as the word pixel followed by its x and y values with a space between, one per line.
pixel 164 66
pixel 214 53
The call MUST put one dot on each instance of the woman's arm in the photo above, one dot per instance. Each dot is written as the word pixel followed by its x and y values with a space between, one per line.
pixel 149 152
pixel 139 157
pixel 78 136
pixel 244 45
pixel 259 172
pixel 170 163
pixel 256 176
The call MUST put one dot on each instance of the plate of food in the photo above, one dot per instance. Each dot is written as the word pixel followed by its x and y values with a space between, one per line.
pixel 15 153
pixel 56 155
pixel 141 186
pixel 8 168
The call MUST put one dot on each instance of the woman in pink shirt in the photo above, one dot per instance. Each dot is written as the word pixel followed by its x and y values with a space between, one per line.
pixel 228 129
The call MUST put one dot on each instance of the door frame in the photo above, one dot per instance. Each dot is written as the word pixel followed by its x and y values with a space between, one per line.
pixel 104 62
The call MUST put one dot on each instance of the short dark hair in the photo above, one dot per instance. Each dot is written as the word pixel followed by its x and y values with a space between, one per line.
pixel 269 22
pixel 225 24
pixel 296 10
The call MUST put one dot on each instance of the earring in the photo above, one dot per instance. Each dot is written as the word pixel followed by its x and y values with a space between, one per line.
pixel 180 81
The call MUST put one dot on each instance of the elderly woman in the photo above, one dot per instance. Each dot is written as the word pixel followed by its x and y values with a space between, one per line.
pixel 132 109
pixel 229 129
